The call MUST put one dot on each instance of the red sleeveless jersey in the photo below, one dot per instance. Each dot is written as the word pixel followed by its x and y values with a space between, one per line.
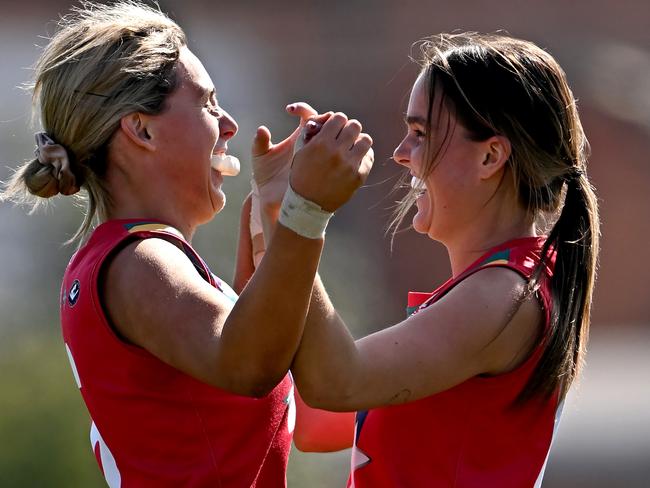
pixel 152 425
pixel 467 436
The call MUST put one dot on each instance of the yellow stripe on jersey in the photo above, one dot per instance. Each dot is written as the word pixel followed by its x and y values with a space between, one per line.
pixel 149 226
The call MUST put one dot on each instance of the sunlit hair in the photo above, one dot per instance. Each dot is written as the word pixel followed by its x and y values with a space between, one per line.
pixel 497 85
pixel 103 62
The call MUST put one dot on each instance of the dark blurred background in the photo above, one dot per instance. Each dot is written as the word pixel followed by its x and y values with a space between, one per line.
pixel 353 57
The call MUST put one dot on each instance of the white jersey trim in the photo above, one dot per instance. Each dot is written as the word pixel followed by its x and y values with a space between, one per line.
pixel 73 365
pixel 109 466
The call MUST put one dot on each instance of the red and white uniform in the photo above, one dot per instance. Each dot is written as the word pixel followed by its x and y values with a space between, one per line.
pixel 469 435
pixel 152 425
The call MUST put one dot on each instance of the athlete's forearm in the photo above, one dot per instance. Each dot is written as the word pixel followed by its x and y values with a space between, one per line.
pixel 326 367
pixel 266 323
pixel 244 265
pixel 327 349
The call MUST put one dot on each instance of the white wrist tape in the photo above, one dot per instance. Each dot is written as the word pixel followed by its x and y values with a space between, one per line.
pixel 302 216
pixel 255 223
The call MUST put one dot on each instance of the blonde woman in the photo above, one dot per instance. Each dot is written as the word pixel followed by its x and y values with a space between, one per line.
pixel 165 355
pixel 467 390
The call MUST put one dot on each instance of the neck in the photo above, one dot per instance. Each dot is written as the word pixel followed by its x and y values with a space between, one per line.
pixel 130 199
pixel 490 227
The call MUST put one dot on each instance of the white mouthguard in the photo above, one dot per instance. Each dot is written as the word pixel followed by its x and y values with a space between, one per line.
pixel 418 184
pixel 227 165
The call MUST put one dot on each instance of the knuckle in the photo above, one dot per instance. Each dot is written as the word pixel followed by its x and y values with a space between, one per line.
pixel 354 123
pixel 339 117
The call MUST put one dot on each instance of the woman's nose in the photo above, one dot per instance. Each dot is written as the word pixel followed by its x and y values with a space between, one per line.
pixel 401 154
pixel 227 126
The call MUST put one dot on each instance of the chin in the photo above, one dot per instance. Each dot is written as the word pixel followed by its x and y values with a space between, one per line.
pixel 425 227
pixel 218 202
pixel 421 224
pixel 419 229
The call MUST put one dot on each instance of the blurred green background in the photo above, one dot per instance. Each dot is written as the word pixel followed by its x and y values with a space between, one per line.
pixel 349 56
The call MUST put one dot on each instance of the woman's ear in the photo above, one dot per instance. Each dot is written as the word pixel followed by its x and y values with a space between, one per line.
pixel 135 127
pixel 497 153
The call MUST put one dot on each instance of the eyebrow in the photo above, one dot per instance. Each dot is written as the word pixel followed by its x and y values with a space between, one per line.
pixel 203 92
pixel 415 120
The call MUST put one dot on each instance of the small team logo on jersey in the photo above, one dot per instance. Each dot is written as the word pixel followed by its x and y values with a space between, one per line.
pixel 73 295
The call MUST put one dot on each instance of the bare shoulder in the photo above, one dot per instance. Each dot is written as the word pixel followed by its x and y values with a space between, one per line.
pixel 147 268
pixel 506 320
pixel 148 286
pixel 146 259
pixel 485 325
pixel 487 322
pixel 492 280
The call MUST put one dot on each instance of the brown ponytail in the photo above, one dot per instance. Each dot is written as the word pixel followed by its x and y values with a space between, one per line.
pixel 575 241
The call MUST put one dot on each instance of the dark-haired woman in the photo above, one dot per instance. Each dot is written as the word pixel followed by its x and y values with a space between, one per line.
pixel 466 391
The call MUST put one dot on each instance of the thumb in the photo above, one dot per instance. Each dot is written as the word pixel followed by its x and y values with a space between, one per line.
pixel 305 112
pixel 304 130
pixel 302 110
pixel 261 142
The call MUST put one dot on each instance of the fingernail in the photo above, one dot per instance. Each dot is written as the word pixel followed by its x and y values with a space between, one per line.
pixel 291 107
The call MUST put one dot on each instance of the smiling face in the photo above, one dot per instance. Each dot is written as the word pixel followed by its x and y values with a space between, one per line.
pixel 188 133
pixel 451 180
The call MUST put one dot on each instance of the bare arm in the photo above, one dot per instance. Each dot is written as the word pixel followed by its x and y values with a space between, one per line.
pixel 244 265
pixel 185 322
pixel 466 333
pixel 478 328
pixel 156 300
pixel 315 430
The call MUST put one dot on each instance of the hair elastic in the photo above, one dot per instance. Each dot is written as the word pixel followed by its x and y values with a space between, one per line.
pixel 55 156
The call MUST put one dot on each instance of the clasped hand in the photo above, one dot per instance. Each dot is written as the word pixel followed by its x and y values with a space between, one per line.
pixel 326 160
